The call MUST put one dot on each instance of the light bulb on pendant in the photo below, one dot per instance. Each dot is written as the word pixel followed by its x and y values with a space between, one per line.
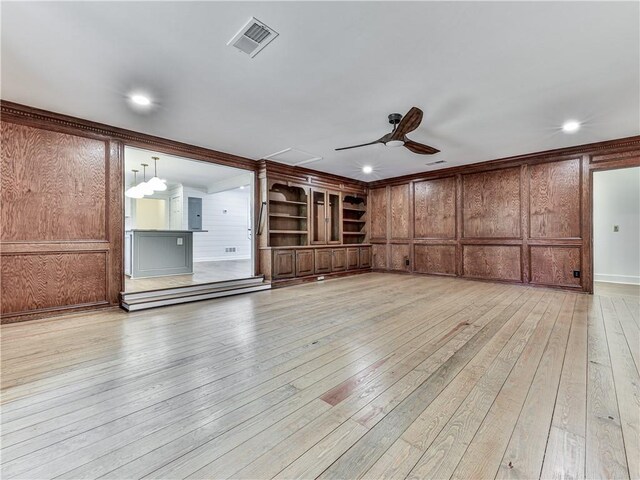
pixel 156 183
pixel 134 191
pixel 144 187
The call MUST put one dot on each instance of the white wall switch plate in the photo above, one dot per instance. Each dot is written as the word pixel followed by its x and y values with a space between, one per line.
pixel 179 240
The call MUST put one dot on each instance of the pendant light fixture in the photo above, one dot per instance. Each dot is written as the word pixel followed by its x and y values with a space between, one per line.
pixel 144 187
pixel 134 191
pixel 156 183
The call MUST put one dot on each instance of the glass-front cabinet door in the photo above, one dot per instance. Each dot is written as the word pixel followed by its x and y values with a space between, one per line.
pixel 325 217
pixel 333 217
pixel 318 217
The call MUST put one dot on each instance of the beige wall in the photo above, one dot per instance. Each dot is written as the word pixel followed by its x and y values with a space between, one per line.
pixel 151 213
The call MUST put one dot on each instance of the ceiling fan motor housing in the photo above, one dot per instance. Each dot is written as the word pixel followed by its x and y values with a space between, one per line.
pixel 395 118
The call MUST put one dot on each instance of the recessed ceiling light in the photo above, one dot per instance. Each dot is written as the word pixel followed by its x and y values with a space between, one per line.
pixel 139 99
pixel 367 169
pixel 570 126
pixel 241 187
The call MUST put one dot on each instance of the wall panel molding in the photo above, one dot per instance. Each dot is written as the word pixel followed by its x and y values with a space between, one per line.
pixel 492 262
pixel 491 204
pixel 434 208
pixel 546 201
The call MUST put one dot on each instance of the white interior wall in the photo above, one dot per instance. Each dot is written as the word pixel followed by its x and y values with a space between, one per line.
pixel 224 229
pixel 616 201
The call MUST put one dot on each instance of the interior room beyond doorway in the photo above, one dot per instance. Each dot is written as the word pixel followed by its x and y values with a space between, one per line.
pixel 195 230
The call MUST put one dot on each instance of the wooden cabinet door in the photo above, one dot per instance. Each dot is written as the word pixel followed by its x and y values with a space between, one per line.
pixel 338 259
pixel 322 260
pixel 365 257
pixel 334 217
pixel 304 263
pixel 352 258
pixel 284 263
pixel 319 217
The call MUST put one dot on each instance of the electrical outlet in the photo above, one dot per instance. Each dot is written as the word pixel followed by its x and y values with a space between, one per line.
pixel 406 262
pixel 616 228
pixel 576 274
pixel 320 278
pixel 179 241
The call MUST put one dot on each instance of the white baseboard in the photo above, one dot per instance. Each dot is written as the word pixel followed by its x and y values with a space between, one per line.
pixel 606 277
pixel 221 259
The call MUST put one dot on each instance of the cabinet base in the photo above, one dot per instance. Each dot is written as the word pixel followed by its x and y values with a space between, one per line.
pixel 286 282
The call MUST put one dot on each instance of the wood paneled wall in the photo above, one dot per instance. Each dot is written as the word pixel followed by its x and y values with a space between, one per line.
pixel 61 233
pixel 524 220
pixel 62 210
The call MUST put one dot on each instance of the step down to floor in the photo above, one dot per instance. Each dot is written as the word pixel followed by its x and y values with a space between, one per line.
pixel 171 296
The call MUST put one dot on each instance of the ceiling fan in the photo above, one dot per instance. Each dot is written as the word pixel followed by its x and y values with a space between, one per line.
pixel 398 137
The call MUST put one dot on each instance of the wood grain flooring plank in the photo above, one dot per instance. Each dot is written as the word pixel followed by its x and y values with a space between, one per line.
pixel 605 453
pixel 491 443
pixel 627 382
pixel 525 452
pixel 565 450
pixel 628 325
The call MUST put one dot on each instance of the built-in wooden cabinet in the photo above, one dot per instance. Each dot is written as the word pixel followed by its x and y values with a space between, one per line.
pixel 310 224
pixel 304 263
pixel 354 219
pixel 325 217
pixel 288 222
pixel 309 261
pixel 353 258
pixel 323 261
pixel 284 263
pixel 338 259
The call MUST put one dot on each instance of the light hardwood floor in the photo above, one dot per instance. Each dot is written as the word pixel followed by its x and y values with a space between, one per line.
pixel 203 272
pixel 372 376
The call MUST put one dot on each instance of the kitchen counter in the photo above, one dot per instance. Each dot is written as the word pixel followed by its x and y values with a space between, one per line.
pixel 156 253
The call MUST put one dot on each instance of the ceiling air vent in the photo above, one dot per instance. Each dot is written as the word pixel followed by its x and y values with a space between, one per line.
pixel 437 162
pixel 253 37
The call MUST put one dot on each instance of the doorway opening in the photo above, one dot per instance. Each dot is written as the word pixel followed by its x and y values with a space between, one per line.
pixel 616 231
pixel 187 222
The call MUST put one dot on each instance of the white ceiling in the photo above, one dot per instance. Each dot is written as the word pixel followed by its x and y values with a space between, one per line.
pixel 177 170
pixel 493 78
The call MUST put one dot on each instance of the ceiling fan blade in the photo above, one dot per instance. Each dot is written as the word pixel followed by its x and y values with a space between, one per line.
pixel 409 123
pixel 420 148
pixel 380 140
